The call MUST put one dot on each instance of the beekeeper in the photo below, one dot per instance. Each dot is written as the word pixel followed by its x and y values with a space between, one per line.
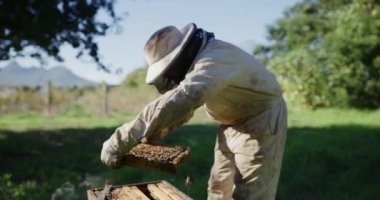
pixel 191 68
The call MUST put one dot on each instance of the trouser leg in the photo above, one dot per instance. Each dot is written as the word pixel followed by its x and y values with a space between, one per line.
pixel 258 161
pixel 253 157
pixel 246 166
pixel 257 176
pixel 220 184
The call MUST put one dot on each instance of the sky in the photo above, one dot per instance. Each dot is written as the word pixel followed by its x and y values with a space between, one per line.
pixel 241 22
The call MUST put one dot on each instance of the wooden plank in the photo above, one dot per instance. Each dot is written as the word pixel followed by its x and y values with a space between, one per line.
pixel 157 193
pixel 181 194
pixel 121 195
pixel 139 193
pixel 169 191
pixel 91 195
pixel 127 192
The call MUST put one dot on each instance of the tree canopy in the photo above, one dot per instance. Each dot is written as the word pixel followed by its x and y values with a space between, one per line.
pixel 47 25
pixel 327 52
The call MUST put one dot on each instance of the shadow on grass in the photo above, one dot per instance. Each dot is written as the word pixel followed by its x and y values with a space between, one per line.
pixel 52 158
pixel 339 162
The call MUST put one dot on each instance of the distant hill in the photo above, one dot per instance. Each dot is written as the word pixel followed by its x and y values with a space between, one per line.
pixel 15 75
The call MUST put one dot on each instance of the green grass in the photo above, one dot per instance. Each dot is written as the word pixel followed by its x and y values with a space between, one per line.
pixel 330 117
pixel 330 154
pixel 23 122
pixel 336 162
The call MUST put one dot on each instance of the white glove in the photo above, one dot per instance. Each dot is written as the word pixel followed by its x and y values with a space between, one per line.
pixel 110 155
pixel 121 141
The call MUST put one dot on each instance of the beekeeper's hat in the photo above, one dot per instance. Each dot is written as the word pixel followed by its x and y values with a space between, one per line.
pixel 163 47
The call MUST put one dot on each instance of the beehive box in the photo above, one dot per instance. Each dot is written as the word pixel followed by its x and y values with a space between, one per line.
pixel 156 157
pixel 157 190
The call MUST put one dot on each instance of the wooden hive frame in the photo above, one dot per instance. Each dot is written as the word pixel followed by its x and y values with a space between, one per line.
pixel 156 157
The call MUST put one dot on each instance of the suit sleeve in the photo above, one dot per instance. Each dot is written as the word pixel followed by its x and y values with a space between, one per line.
pixel 169 110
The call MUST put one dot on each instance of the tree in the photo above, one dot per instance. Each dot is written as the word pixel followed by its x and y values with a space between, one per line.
pixel 136 78
pixel 327 52
pixel 47 25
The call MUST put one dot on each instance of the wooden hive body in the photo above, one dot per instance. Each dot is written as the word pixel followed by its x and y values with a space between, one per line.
pixel 156 190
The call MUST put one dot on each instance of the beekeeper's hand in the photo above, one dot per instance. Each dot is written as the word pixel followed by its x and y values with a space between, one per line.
pixel 120 142
pixel 110 155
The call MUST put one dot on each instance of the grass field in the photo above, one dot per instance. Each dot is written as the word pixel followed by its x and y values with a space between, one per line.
pixel 330 154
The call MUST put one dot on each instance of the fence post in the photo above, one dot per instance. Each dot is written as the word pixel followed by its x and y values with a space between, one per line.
pixel 105 98
pixel 49 98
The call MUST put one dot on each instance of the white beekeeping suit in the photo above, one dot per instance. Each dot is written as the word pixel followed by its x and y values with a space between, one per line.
pixel 237 91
